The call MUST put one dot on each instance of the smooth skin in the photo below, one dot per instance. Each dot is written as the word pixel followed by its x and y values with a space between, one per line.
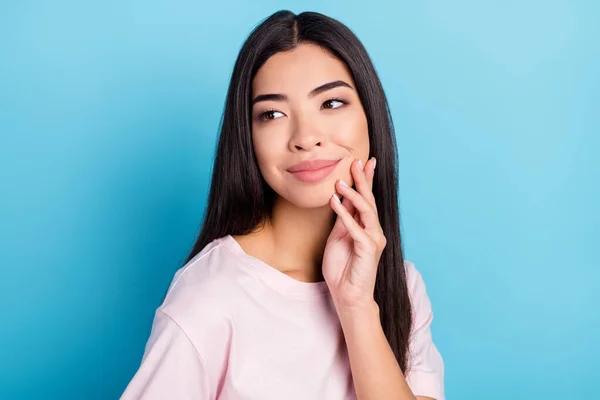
pixel 350 266
pixel 311 236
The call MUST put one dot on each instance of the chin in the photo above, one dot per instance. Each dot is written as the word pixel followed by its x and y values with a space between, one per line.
pixel 310 198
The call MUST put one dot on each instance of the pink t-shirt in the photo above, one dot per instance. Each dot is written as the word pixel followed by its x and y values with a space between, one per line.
pixel 233 327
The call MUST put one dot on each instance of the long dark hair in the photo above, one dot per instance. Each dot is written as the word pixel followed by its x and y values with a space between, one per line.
pixel 240 200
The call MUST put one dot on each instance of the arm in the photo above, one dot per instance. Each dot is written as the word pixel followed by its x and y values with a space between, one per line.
pixel 171 368
pixel 425 373
pixel 350 263
pixel 375 371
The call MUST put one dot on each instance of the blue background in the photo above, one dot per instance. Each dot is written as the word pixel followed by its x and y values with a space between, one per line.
pixel 109 113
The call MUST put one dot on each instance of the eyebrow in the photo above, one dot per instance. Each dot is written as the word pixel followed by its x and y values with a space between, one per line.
pixel 313 93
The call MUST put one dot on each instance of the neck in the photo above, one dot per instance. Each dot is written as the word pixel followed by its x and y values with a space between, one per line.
pixel 294 239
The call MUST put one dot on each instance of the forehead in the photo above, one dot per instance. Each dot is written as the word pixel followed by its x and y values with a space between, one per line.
pixel 298 71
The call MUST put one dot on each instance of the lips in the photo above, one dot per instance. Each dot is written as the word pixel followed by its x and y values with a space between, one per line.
pixel 311 165
pixel 313 171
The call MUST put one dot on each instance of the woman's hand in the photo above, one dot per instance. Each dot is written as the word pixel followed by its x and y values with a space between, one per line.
pixel 355 243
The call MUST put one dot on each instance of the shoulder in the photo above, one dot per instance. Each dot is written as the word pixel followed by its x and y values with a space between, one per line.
pixel 414 279
pixel 417 291
pixel 204 289
pixel 425 373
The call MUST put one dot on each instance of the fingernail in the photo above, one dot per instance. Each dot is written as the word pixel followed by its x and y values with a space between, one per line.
pixel 374 162
pixel 360 164
pixel 343 183
pixel 336 198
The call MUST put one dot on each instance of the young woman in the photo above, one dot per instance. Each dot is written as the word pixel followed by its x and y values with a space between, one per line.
pixel 289 293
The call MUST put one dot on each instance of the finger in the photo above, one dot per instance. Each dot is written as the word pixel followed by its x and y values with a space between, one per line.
pixel 362 185
pixel 339 230
pixel 357 219
pixel 348 204
pixel 368 216
pixel 357 233
pixel 371 172
pixel 352 211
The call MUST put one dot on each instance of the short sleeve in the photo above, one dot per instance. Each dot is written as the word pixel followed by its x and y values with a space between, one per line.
pixel 425 372
pixel 171 367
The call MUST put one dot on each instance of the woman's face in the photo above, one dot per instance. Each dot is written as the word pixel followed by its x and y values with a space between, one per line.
pixel 298 124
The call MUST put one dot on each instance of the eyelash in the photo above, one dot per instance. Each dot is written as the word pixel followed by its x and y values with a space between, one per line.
pixel 262 115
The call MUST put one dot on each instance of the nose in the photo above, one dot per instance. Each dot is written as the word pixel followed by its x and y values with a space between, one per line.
pixel 306 135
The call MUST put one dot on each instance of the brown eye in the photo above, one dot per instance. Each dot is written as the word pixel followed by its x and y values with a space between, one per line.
pixel 330 101
pixel 267 115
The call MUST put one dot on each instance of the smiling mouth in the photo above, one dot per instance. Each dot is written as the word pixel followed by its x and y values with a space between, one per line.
pixel 315 175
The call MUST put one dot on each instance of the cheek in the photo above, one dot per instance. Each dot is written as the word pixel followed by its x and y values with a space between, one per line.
pixel 260 142
pixel 269 153
pixel 353 134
